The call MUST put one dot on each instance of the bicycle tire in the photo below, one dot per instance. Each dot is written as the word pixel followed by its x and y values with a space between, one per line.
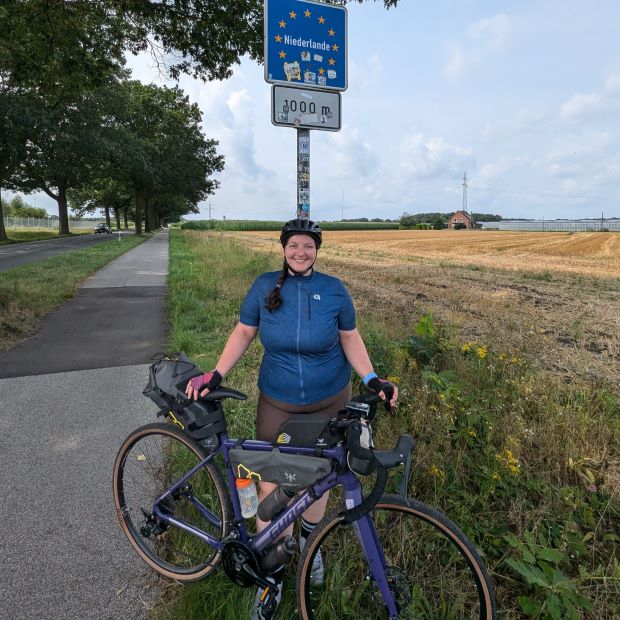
pixel 148 462
pixel 435 572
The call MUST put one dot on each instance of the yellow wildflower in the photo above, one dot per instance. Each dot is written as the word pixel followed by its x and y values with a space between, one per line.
pixel 481 352
pixel 496 476
pixel 467 347
pixel 437 472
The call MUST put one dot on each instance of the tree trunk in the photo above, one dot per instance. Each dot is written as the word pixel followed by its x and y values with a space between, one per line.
pixel 125 217
pixel 117 216
pixel 3 236
pixel 63 215
pixel 148 220
pixel 141 204
pixel 107 215
pixel 157 221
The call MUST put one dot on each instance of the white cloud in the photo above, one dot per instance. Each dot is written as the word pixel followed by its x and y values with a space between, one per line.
pixel 433 157
pixel 352 156
pixel 485 38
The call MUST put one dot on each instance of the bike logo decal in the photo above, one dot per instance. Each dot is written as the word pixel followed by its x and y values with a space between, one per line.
pixel 290 477
pixel 320 441
pixel 317 297
pixel 284 438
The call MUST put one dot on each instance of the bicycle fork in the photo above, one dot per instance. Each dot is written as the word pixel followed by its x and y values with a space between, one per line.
pixel 370 543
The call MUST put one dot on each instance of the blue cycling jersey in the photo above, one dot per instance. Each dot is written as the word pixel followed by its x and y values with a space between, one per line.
pixel 303 361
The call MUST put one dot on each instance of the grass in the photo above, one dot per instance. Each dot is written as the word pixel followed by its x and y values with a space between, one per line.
pixel 522 459
pixel 21 236
pixel 29 292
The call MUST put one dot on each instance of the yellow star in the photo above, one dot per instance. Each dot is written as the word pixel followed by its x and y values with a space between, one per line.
pixel 307 13
pixel 335 47
pixel 331 32
pixel 282 24
pixel 292 15
pixel 321 20
pixel 282 54
pixel 321 71
pixel 279 39
pixel 331 61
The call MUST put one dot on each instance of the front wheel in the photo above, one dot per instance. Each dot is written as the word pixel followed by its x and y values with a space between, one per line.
pixel 434 572
pixel 150 461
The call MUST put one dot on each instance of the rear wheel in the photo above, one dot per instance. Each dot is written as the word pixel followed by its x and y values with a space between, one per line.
pixel 433 570
pixel 150 460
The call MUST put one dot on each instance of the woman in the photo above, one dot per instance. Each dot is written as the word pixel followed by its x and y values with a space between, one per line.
pixel 306 323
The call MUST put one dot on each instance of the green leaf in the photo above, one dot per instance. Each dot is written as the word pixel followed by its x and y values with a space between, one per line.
pixel 553 605
pixel 529 606
pixel 533 575
pixel 550 555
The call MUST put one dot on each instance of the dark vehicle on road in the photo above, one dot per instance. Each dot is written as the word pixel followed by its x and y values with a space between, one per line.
pixel 103 228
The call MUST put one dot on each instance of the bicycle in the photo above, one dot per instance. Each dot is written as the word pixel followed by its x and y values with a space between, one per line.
pixel 384 555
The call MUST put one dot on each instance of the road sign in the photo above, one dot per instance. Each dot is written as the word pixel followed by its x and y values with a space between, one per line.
pixel 304 108
pixel 306 44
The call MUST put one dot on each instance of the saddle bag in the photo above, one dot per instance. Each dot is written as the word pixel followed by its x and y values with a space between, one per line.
pixel 168 379
pixel 290 471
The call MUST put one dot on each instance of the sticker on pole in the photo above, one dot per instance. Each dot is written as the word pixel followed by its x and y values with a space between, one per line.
pixel 306 44
pixel 305 109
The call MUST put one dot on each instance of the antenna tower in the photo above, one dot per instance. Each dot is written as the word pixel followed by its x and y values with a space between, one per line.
pixel 465 192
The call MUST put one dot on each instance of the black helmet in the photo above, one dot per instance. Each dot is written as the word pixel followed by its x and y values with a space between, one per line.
pixel 301 227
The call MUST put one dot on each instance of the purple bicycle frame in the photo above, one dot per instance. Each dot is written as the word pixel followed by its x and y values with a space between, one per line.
pixel 364 528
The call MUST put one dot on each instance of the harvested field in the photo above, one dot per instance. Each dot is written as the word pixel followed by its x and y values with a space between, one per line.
pixel 554 297
pixel 588 254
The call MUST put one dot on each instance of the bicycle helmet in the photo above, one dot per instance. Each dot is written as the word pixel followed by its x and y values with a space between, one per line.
pixel 301 227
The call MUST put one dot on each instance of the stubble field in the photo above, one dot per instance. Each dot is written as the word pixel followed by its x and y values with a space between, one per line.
pixel 554 297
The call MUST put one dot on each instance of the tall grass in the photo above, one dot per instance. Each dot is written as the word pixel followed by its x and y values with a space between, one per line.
pixel 526 464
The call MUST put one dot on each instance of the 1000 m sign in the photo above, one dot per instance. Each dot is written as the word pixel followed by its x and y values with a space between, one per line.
pixel 305 108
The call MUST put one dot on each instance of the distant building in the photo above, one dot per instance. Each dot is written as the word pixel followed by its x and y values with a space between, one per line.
pixel 460 217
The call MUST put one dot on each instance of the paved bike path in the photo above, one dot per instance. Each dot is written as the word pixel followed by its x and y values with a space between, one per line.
pixel 68 396
pixel 116 319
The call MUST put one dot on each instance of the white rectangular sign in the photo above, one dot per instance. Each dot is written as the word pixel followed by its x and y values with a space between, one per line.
pixel 305 108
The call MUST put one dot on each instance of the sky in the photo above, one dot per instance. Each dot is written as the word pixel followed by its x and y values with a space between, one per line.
pixel 521 95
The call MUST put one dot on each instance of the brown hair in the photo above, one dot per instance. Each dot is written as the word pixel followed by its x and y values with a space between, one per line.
pixel 274 300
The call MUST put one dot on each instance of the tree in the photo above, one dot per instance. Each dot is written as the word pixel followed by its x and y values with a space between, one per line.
pixel 14 120
pixel 64 47
pixel 66 142
pixel 162 153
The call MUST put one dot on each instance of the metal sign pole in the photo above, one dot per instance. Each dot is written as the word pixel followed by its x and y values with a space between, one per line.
pixel 303 173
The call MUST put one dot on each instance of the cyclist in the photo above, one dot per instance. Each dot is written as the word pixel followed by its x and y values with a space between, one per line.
pixel 306 323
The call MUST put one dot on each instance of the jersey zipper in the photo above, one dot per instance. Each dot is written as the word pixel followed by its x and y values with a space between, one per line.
pixel 301 375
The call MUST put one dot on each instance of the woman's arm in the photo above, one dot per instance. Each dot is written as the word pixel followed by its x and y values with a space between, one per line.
pixel 237 344
pixel 355 351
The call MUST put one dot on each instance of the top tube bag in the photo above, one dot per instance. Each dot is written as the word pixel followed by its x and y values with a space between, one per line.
pixel 168 379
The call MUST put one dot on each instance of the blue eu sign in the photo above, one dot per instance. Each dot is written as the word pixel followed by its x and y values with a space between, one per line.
pixel 306 44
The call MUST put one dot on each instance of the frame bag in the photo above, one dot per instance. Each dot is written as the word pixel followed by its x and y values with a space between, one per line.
pixel 290 471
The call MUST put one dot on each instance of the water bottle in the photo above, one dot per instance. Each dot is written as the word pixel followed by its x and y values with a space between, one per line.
pixel 278 555
pixel 276 501
pixel 248 498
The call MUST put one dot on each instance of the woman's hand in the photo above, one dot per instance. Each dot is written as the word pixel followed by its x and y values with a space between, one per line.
pixel 385 389
pixel 203 384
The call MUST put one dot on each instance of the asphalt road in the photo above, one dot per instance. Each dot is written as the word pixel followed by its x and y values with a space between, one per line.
pixel 68 396
pixel 16 254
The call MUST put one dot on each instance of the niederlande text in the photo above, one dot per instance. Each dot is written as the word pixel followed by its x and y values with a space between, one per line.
pixel 299 42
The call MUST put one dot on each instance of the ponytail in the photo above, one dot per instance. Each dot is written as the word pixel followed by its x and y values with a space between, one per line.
pixel 274 300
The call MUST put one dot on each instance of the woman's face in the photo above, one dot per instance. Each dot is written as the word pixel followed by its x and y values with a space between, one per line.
pixel 300 253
